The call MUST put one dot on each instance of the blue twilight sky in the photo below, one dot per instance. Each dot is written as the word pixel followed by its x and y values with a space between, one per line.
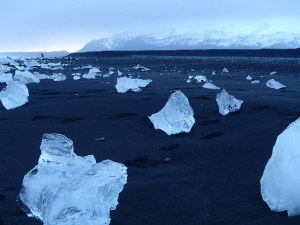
pixel 49 25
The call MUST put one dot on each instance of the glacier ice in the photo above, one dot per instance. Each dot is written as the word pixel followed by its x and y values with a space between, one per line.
pixel 273 73
pixel 5 77
pixel 26 77
pixel 125 83
pixel 255 82
pixel 119 73
pixel 227 103
pixel 209 85
pixel 280 182
pixel 176 116
pixel 66 189
pixel 248 77
pixel 15 94
pixel 274 84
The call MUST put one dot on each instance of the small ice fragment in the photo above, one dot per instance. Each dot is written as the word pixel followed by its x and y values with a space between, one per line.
pixel 225 70
pixel 26 77
pixel 227 103
pixel 142 68
pixel 255 82
pixel 280 182
pixel 100 139
pixel 213 73
pixel 66 189
pixel 76 77
pixel 176 116
pixel 119 73
pixel 200 79
pixel 209 85
pixel 58 77
pixel 274 84
pixel 125 83
pixel 273 73
pixel 248 77
pixel 15 94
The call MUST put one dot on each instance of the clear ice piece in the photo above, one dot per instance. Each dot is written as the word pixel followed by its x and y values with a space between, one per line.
pixel 66 189
pixel 176 116
pixel 227 103
pixel 274 84
pixel 209 85
pixel 280 182
pixel 125 83
pixel 26 77
pixel 15 94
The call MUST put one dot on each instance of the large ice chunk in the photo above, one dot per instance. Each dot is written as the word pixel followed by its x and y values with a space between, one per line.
pixel 274 84
pixel 227 103
pixel 5 77
pixel 126 83
pixel 26 77
pixel 66 189
pixel 176 116
pixel 280 182
pixel 14 95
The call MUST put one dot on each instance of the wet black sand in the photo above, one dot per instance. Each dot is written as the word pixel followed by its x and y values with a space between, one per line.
pixel 214 172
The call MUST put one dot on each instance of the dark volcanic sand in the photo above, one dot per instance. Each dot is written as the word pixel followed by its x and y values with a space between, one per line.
pixel 214 173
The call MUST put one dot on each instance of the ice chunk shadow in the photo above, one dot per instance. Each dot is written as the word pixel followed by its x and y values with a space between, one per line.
pixel 169 147
pixel 264 107
pixel 142 162
pixel 123 115
pixel 70 120
pixel 213 135
pixel 207 122
pixel 41 117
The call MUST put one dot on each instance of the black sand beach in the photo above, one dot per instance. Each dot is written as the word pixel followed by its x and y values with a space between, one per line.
pixel 214 172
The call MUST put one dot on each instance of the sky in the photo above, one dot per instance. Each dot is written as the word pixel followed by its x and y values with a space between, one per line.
pixel 53 25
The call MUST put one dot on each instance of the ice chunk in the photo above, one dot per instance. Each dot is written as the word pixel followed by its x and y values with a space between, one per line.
pixel 209 85
pixel 273 73
pixel 200 79
pixel 4 68
pixel 66 189
pixel 5 77
pixel 119 73
pixel 111 72
pixel 76 77
pixel 89 76
pixel 94 70
pixel 274 84
pixel 125 83
pixel 31 63
pixel 225 70
pixel 87 67
pixel 142 68
pixel 255 82
pixel 213 73
pixel 15 94
pixel 176 116
pixel 26 77
pixel 58 77
pixel 280 182
pixel 227 103
pixel 248 77
pixel 40 76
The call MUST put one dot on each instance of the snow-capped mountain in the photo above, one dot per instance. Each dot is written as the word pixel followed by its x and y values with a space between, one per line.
pixel 206 40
